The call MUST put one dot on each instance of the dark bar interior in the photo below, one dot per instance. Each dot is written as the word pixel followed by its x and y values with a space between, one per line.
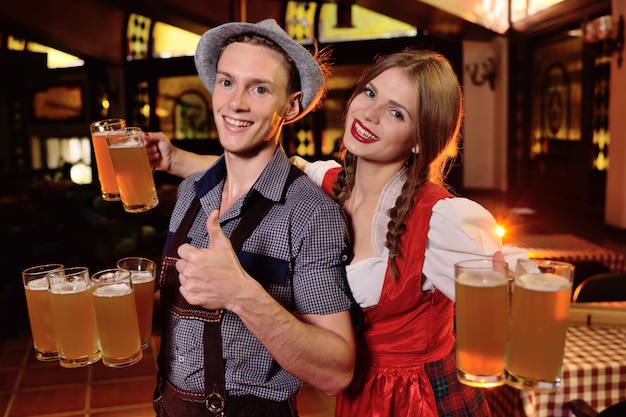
pixel 543 147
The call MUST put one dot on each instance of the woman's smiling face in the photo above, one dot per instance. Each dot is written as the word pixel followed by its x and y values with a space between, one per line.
pixel 381 120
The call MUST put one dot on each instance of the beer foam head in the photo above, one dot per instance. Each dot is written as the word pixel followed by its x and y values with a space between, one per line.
pixel 486 278
pixel 124 145
pixel 69 287
pixel 112 290
pixel 543 282
pixel 141 276
pixel 38 284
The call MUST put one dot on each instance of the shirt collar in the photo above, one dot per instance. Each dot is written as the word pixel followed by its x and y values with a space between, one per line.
pixel 270 184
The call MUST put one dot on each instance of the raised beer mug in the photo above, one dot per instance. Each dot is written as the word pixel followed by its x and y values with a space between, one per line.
pixel 482 312
pixel 542 293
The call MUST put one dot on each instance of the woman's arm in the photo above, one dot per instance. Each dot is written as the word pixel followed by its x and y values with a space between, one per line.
pixel 461 229
pixel 316 171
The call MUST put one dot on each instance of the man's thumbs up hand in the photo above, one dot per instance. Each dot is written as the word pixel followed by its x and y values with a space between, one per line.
pixel 210 277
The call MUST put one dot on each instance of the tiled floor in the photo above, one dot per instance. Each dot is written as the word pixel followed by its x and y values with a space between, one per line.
pixel 30 388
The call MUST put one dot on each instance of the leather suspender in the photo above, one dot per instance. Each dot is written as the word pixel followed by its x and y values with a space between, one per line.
pixel 253 212
pixel 214 384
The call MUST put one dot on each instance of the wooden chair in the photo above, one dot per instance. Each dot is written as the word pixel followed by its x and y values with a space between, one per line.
pixel 601 287
pixel 585 269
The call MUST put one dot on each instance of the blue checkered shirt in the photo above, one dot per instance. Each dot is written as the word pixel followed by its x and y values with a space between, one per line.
pixel 295 252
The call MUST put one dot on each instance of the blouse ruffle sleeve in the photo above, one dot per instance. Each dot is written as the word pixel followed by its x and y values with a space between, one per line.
pixel 317 170
pixel 460 229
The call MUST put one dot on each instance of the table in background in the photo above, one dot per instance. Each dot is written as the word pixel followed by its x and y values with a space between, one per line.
pixel 568 248
pixel 594 370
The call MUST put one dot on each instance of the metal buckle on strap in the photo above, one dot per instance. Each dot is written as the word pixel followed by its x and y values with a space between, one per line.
pixel 215 403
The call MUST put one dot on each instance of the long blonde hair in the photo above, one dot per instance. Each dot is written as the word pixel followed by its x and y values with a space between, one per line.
pixel 437 128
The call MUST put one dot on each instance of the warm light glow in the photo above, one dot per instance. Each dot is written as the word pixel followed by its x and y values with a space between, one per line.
pixel 74 151
pixel 500 231
pixel 521 9
pixel 56 58
pixel 105 103
pixel 170 41
pixel 145 111
pixel 15 44
pixel 535 6
pixel 492 14
pixel 367 24
pixel 80 173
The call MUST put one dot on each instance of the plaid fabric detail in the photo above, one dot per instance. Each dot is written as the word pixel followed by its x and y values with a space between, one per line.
pixel 505 401
pixel 594 370
pixel 453 398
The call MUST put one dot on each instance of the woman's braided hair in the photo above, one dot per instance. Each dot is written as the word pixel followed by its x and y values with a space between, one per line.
pixel 438 125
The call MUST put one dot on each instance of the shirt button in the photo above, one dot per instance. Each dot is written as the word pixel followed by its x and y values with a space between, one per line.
pixel 344 258
pixel 181 359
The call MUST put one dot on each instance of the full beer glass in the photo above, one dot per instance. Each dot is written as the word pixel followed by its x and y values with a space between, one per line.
pixel 541 299
pixel 132 169
pixel 73 317
pixel 116 317
pixel 106 174
pixel 143 273
pixel 39 313
pixel 482 313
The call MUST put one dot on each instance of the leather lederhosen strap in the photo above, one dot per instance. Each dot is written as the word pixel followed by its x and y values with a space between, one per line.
pixel 215 394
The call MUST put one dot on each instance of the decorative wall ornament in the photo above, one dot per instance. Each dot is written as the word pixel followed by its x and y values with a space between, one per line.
pixel 184 108
pixel 555 102
pixel 59 103
pixel 485 72
pixel 604 37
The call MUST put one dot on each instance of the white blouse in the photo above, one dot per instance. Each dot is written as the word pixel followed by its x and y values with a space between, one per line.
pixel 459 229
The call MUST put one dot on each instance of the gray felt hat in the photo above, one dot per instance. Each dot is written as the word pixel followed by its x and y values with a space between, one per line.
pixel 208 50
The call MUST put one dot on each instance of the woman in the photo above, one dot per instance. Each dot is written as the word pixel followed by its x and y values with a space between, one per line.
pixel 402 125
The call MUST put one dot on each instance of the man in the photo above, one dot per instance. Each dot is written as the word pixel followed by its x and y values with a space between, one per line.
pixel 243 330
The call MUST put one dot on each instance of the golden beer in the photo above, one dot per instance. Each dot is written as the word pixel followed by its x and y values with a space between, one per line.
pixel 132 170
pixel 116 317
pixel 118 329
pixel 39 313
pixel 482 307
pixel 143 285
pixel 539 321
pixel 106 172
pixel 74 320
pixel 143 273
